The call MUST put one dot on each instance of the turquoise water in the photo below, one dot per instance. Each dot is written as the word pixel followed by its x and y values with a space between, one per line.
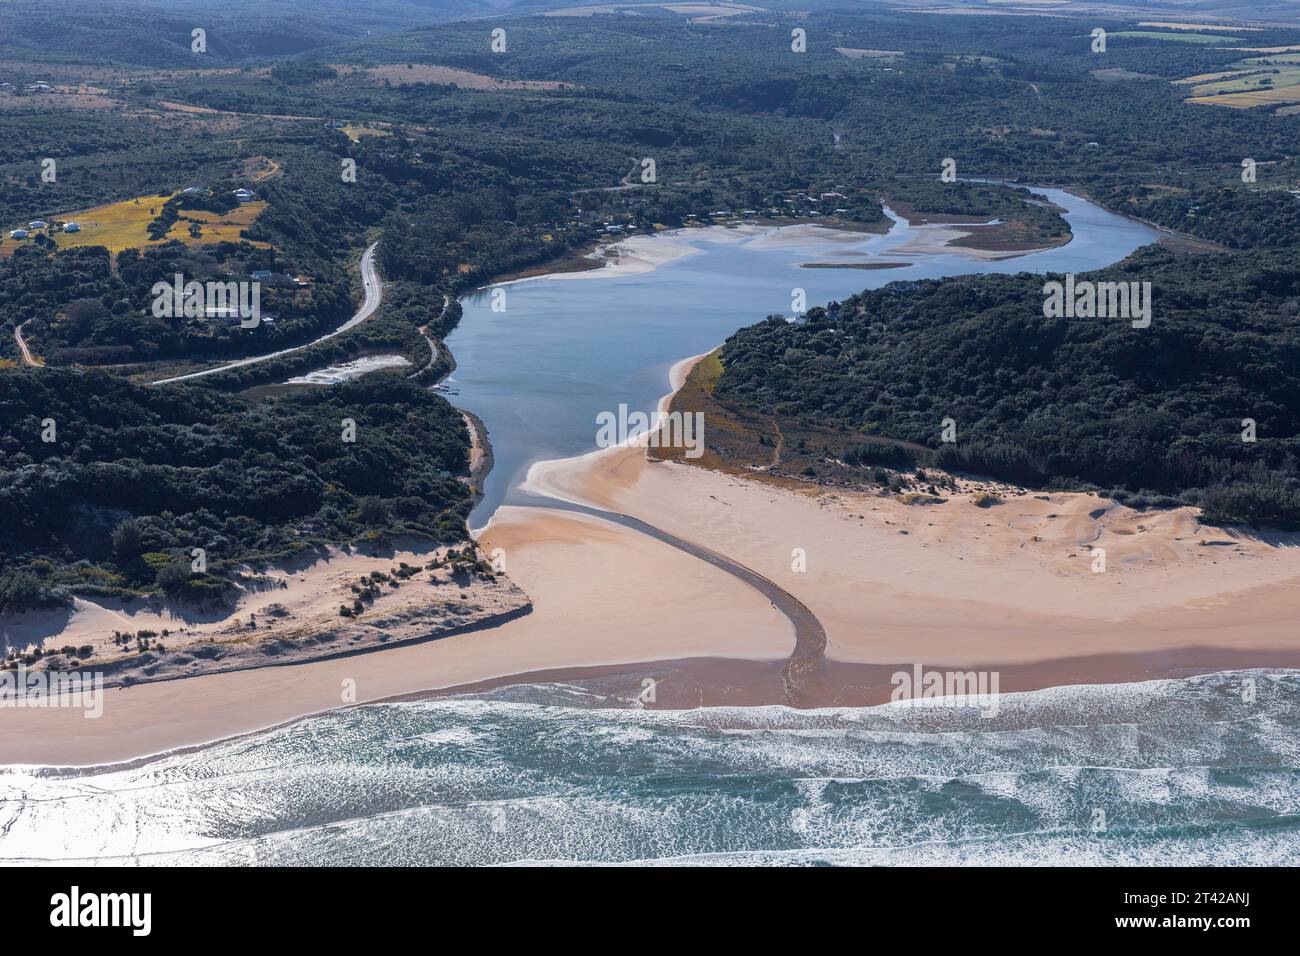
pixel 565 350
pixel 1184 771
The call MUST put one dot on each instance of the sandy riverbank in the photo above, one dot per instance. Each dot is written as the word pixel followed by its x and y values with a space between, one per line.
pixel 639 254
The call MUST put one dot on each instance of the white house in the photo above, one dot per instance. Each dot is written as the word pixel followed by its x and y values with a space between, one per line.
pixel 71 227
pixel 18 234
pixel 244 195
pixel 37 224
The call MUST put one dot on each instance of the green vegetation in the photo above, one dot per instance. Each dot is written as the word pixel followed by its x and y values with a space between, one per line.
pixel 136 478
pixel 1060 402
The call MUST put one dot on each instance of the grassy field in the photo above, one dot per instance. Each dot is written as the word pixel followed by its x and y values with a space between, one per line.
pixel 1255 81
pixel 1210 77
pixel 1250 83
pixel 1270 60
pixel 125 225
pixel 1270 96
pixel 218 227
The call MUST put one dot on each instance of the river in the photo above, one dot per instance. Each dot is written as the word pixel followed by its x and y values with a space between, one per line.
pixel 563 349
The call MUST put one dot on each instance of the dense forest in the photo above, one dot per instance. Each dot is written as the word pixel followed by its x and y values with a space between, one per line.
pixel 1063 402
pixel 106 487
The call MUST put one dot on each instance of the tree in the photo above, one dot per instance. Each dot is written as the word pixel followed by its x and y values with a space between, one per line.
pixel 127 539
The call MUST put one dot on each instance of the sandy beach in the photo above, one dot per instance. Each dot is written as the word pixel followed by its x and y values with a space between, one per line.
pixel 959 584
pixel 604 596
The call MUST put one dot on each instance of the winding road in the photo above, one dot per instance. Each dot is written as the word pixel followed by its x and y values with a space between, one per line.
pixel 23 350
pixel 374 295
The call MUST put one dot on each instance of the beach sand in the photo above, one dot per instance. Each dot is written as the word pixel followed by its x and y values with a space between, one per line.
pixel 604 595
pixel 959 584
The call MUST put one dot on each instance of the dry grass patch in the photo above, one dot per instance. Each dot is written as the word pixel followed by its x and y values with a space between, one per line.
pixel 218 227
pixel 125 225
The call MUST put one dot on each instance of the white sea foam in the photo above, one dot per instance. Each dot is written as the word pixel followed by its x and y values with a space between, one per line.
pixel 1185 771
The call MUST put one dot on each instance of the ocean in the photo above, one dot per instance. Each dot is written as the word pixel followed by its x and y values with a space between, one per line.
pixel 1187 772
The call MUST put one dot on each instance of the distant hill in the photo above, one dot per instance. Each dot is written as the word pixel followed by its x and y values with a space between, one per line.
pixel 158 32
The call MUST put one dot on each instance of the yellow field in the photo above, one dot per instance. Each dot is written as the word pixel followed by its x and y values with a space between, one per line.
pixel 119 225
pixel 1210 77
pixel 218 227
pixel 125 225
pixel 1290 94
pixel 355 132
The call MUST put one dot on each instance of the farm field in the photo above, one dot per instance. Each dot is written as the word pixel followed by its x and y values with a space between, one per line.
pixel 218 227
pixel 1269 96
pixel 1255 81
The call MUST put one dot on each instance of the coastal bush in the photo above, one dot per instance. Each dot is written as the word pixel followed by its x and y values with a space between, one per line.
pixel 22 590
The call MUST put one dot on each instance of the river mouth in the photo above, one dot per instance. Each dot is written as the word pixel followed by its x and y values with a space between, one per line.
pixel 539 359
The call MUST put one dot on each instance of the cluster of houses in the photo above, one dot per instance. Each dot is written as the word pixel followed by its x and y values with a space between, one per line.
pixel 791 204
pixel 241 194
pixel 38 87
pixel 40 225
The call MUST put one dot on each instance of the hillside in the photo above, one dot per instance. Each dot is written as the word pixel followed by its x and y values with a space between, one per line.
pixel 1061 402
pixel 106 487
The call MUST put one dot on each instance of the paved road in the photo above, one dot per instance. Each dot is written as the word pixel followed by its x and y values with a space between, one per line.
pixel 374 296
pixel 22 346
